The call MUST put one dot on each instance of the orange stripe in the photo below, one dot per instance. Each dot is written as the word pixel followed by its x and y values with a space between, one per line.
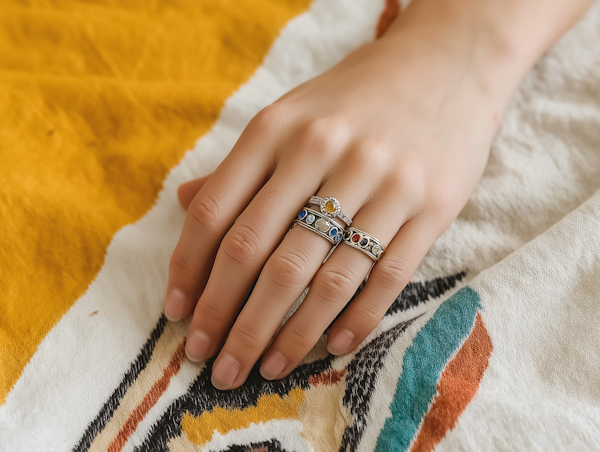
pixel 457 387
pixel 149 400
pixel 389 13
pixel 327 378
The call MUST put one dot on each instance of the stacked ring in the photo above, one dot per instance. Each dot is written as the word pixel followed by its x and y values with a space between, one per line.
pixel 330 207
pixel 321 224
pixel 364 242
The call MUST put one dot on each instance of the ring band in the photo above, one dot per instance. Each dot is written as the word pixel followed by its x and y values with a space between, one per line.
pixel 364 242
pixel 330 207
pixel 315 222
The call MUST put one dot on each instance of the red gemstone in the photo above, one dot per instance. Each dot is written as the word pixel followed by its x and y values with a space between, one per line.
pixel 355 238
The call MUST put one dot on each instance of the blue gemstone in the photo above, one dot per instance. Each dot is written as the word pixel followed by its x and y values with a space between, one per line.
pixel 310 219
pixel 333 232
pixel 302 214
pixel 338 237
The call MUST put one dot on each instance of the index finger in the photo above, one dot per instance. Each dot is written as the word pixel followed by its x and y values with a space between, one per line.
pixel 210 215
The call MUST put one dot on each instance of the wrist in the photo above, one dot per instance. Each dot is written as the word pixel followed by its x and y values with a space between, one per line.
pixel 468 43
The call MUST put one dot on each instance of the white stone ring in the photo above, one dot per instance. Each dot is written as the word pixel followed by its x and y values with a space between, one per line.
pixel 322 225
pixel 330 207
pixel 364 242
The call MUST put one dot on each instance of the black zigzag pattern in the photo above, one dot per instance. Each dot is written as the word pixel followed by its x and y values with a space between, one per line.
pixel 268 446
pixel 416 293
pixel 203 396
pixel 360 382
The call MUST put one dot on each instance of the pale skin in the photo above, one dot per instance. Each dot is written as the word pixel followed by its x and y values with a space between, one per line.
pixel 399 132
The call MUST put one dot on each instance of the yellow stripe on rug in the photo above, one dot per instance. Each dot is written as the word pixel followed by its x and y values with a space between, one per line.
pixel 98 100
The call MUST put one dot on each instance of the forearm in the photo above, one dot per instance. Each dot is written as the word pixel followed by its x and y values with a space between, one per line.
pixel 497 41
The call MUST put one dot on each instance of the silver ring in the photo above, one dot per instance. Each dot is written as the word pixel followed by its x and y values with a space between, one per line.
pixel 315 222
pixel 364 242
pixel 330 207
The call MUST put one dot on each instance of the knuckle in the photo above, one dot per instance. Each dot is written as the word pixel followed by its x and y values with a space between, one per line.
pixel 370 313
pixel 212 310
pixel 324 134
pixel 241 244
pixel 288 269
pixel 299 338
pixel 179 264
pixel 443 200
pixel 394 272
pixel 205 211
pixel 267 120
pixel 334 284
pixel 246 335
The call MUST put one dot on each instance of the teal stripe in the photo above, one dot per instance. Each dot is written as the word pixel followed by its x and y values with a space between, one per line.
pixel 422 367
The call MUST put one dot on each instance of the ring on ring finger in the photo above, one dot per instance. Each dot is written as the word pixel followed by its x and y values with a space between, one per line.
pixel 364 242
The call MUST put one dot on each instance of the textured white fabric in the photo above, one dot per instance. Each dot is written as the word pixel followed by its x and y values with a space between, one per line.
pixel 541 304
pixel 529 240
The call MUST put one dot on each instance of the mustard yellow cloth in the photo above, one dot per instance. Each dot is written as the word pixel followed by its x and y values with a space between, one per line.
pixel 98 100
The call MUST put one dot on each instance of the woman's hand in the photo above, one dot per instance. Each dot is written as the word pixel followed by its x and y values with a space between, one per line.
pixel 399 133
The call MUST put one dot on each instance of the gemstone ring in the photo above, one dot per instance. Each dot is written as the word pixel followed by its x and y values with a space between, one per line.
pixel 364 242
pixel 330 207
pixel 321 224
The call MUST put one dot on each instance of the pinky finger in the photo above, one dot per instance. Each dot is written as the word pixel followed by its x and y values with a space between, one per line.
pixel 387 279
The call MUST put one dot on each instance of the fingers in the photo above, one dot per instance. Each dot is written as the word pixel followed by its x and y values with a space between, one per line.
pixel 188 191
pixel 387 279
pixel 209 216
pixel 241 257
pixel 331 289
pixel 284 277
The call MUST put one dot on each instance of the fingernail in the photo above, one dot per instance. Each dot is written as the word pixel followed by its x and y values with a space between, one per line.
pixel 340 342
pixel 197 345
pixel 225 372
pixel 273 365
pixel 174 305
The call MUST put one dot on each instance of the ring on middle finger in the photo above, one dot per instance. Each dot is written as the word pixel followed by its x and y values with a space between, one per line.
pixel 320 224
pixel 330 207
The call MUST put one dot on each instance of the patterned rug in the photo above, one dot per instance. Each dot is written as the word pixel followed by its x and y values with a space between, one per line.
pixel 108 106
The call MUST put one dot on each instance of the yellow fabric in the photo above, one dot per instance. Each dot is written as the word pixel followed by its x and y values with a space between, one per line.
pixel 98 100
pixel 200 429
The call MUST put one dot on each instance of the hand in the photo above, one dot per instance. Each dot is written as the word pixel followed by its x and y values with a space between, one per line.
pixel 398 134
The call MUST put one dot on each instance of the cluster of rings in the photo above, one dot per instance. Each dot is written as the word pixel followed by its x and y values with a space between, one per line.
pixel 322 223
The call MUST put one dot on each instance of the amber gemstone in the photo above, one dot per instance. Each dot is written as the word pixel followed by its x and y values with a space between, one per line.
pixel 329 207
